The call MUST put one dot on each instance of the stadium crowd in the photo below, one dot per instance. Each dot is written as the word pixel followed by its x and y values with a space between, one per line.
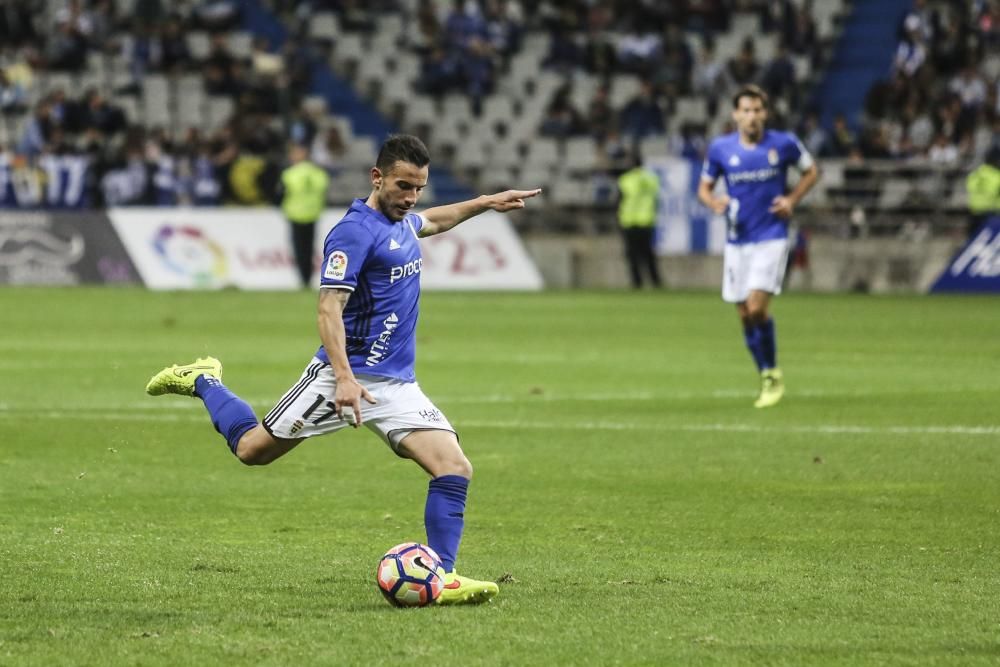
pixel 126 161
pixel 939 102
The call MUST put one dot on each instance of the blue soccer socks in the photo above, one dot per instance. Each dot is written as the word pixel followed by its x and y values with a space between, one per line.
pixel 231 415
pixel 762 343
pixel 751 335
pixel 444 516
pixel 768 345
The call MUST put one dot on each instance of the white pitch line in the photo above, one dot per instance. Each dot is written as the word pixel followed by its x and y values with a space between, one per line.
pixel 175 404
pixel 820 429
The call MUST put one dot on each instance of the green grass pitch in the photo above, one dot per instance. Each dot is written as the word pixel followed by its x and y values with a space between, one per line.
pixel 635 507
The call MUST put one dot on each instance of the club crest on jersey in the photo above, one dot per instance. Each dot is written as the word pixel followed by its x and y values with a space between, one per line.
pixel 734 161
pixel 336 266
pixel 772 157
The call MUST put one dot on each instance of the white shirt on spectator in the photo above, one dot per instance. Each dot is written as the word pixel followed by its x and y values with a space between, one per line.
pixel 971 89
pixel 909 57
pixel 943 153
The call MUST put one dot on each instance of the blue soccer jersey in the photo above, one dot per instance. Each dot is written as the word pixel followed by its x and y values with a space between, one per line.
pixel 379 261
pixel 755 175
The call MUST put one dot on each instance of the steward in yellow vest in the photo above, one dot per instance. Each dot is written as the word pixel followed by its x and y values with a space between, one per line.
pixel 983 186
pixel 303 197
pixel 639 191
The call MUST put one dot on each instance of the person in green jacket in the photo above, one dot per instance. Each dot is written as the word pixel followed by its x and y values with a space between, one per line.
pixel 639 191
pixel 983 186
pixel 303 190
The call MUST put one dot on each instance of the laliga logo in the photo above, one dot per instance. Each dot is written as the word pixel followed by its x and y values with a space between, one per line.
pixel 187 251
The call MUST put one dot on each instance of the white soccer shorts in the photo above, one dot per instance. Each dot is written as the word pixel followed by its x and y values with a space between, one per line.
pixel 307 409
pixel 753 266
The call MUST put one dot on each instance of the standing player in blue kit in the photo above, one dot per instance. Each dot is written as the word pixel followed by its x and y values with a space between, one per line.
pixel 363 371
pixel 758 206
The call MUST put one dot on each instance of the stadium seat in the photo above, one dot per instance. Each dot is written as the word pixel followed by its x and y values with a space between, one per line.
pixel 580 154
pixel 325 25
pixel 220 110
pixel 544 153
pixel 689 110
pixel 156 100
pixel 894 193
pixel 505 155
pixel 651 147
pixel 240 44
pixel 198 45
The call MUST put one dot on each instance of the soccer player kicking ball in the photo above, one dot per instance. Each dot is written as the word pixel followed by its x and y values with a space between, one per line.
pixel 363 371
pixel 757 206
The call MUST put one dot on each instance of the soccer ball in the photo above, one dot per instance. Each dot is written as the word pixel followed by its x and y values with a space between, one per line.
pixel 410 575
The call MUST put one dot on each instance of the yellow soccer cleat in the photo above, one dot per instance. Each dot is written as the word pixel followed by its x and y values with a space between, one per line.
pixel 462 590
pixel 772 388
pixel 180 379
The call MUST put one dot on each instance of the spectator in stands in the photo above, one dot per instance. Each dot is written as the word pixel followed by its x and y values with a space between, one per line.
pixel 743 68
pixel 600 114
pixel 919 127
pixel 813 135
pixel 19 69
pixel 477 72
pixel 911 53
pixel 148 12
pixel 38 130
pixel 462 24
pixel 948 50
pixel 643 116
pixel 710 78
pixel 17 22
pixel 599 54
pixel 672 66
pixel 638 49
pixel 328 149
pixel 561 120
pixel 97 114
pixel 843 139
pixel 983 187
pixel 439 73
pixel 428 34
pixel 216 15
pixel 141 49
pixel 564 54
pixel 503 28
pixel 174 53
pixel 942 150
pixel 690 142
pixel 69 42
pixel 988 23
pixel 970 88
pixel 203 186
pixel 919 20
pixel 778 79
pixel 639 190
pixel 223 73
pixel 13 98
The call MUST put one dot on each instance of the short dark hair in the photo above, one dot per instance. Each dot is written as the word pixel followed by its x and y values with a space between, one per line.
pixel 755 92
pixel 402 148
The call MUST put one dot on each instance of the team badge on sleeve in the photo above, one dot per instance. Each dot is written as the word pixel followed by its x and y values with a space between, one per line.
pixel 336 266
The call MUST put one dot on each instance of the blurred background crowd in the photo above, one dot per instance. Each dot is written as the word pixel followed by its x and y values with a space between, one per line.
pixel 166 103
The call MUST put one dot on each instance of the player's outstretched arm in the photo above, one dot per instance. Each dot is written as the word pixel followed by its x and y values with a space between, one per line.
pixel 442 218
